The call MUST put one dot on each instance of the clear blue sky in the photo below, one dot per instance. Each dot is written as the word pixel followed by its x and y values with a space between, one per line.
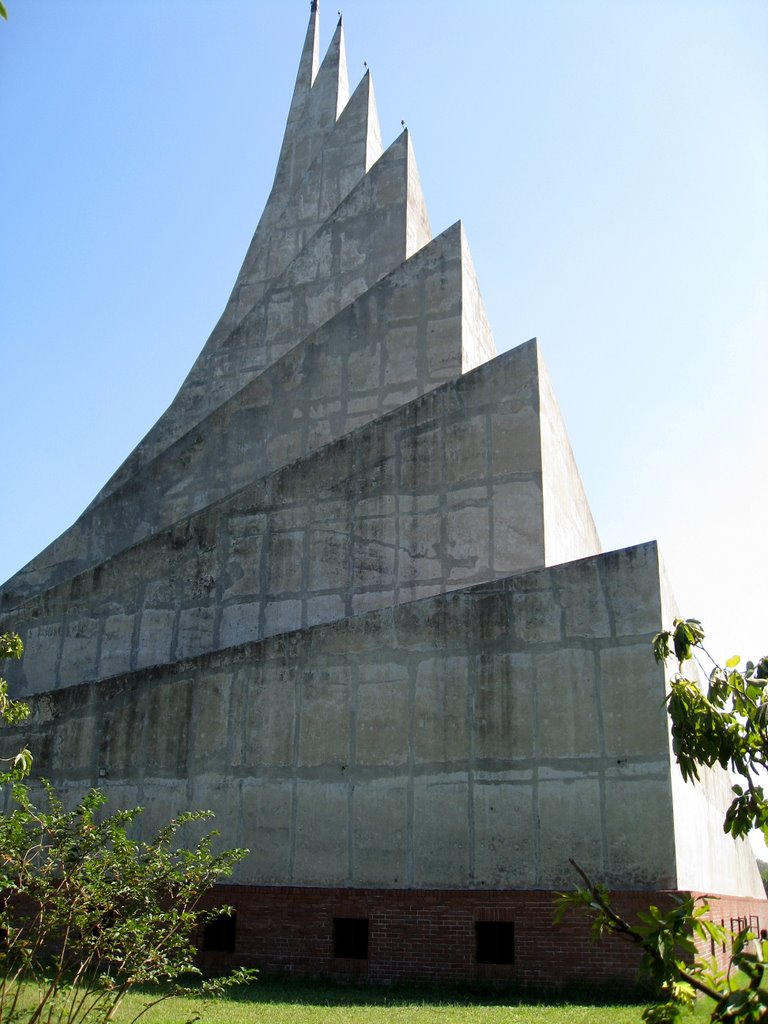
pixel 609 159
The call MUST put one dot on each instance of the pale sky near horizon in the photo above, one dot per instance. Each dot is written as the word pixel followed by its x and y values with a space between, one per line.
pixel 609 161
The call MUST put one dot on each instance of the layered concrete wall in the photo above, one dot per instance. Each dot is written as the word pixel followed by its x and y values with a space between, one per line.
pixel 377 226
pixel 479 738
pixel 422 325
pixel 475 739
pixel 442 492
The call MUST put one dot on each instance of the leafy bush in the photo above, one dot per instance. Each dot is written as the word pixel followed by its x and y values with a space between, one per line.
pixel 87 911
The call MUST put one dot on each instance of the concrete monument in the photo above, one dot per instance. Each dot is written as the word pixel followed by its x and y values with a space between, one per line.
pixel 348 593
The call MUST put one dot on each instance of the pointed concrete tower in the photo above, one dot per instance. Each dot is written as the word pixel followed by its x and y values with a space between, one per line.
pixel 350 149
pixel 297 116
pixel 318 100
pixel 348 593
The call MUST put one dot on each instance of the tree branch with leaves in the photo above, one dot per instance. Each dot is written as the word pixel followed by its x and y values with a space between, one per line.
pixel 12 712
pixel 724 724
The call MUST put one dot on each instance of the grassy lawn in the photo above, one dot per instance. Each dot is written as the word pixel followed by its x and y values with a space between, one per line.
pixel 297 1002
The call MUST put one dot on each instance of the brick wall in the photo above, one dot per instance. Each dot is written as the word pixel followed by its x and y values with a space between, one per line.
pixel 429 935
pixel 735 914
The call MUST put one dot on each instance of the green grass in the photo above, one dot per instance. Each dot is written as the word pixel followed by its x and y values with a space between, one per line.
pixel 271 1001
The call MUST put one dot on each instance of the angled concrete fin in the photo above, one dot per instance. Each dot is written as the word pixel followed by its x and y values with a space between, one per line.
pixel 350 150
pixel 384 349
pixel 365 237
pixel 569 529
pixel 330 91
pixel 363 240
pixel 225 555
pixel 418 231
pixel 308 69
pixel 308 66
pixel 374 147
pixel 478 345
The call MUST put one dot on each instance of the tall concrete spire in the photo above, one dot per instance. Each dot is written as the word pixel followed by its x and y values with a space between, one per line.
pixel 330 90
pixel 308 66
pixel 350 150
pixel 319 97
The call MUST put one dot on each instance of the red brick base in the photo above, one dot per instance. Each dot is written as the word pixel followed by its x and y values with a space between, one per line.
pixel 429 935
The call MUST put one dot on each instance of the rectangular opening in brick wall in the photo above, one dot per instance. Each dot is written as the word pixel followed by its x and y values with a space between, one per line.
pixel 738 924
pixel 219 934
pixel 350 938
pixel 495 942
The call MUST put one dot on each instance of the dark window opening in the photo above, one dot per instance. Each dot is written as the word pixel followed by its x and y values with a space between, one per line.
pixel 219 934
pixel 495 941
pixel 350 938
pixel 739 924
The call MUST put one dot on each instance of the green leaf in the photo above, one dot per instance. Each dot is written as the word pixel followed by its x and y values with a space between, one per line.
pixel 22 762
pixel 10 643
pixel 660 644
pixel 686 634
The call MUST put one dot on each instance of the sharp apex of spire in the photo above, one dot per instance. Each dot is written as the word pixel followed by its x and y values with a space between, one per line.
pixel 335 51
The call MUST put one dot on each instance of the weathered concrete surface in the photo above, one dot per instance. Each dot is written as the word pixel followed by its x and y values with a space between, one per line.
pixel 350 149
pixel 318 98
pixel 422 325
pixel 478 738
pixel 442 492
pixel 377 226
